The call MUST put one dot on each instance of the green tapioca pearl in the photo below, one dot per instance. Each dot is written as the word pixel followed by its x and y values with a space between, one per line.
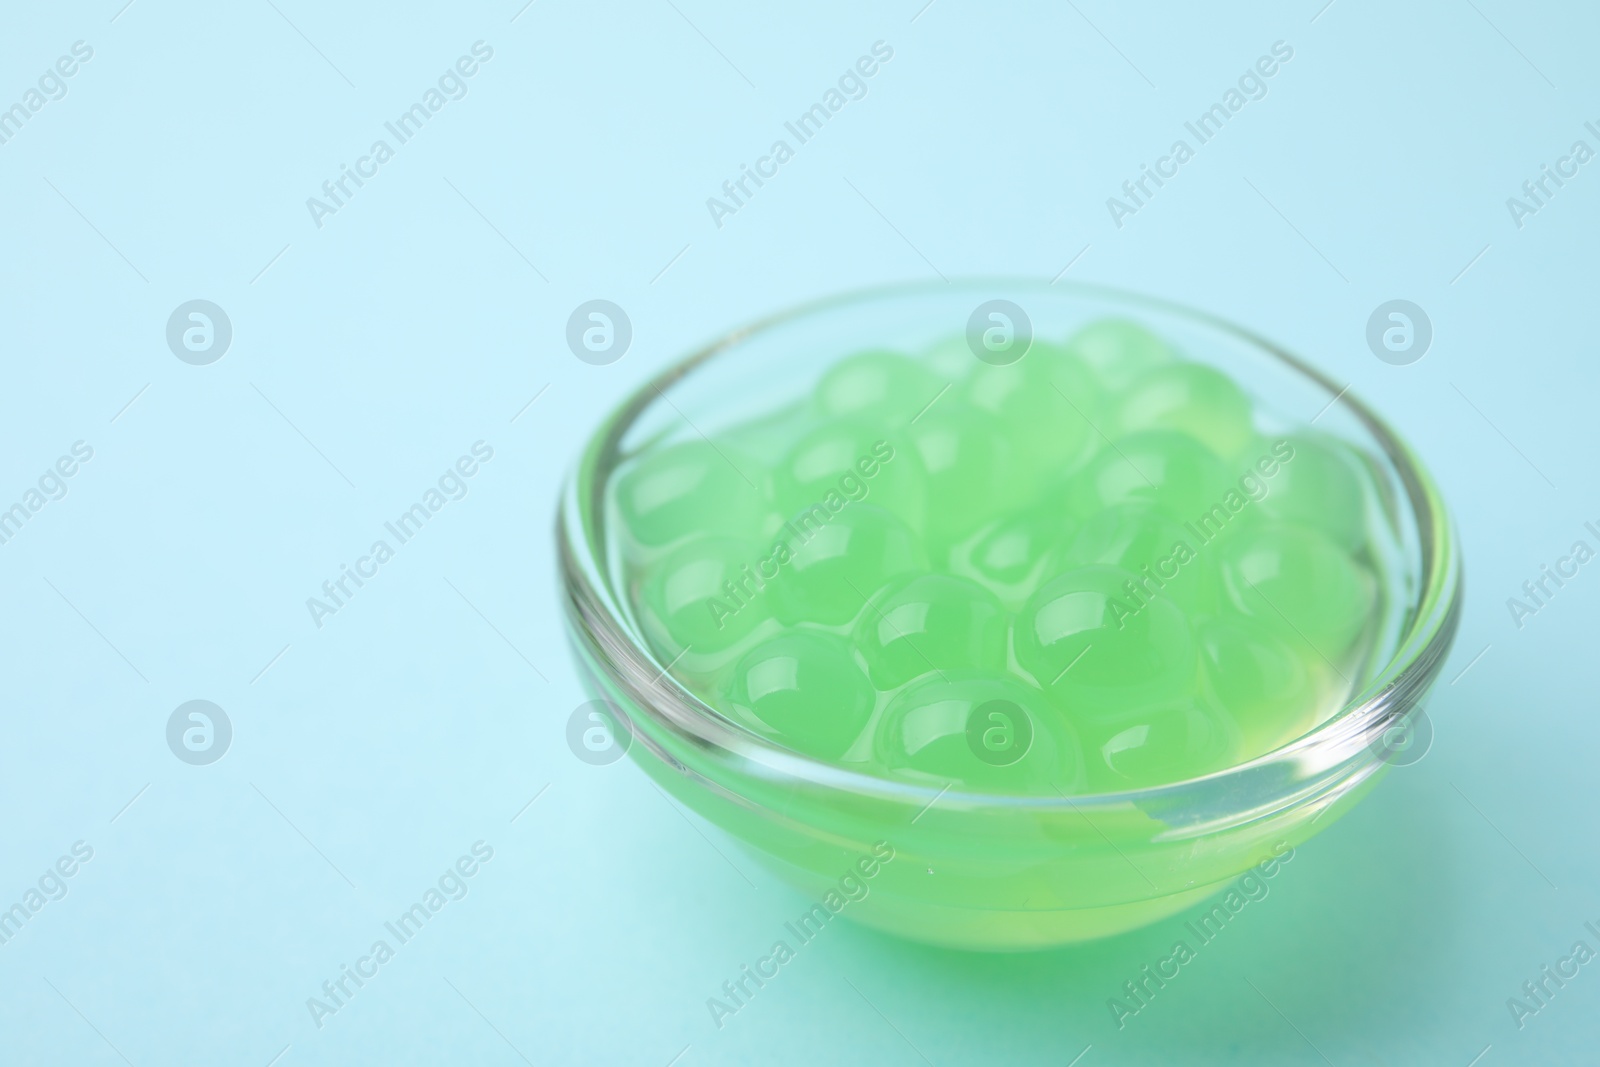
pixel 971 469
pixel 950 359
pixel 1046 402
pixel 1160 744
pixel 835 565
pixel 1171 471
pixel 1192 399
pixel 693 487
pixel 881 386
pixel 979 731
pixel 1102 646
pixel 704 596
pixel 1144 540
pixel 768 437
pixel 1295 581
pixel 932 622
pixel 1312 480
pixel 803 690
pixel 1119 352
pixel 1260 681
pixel 1065 374
pixel 849 460
pixel 1016 549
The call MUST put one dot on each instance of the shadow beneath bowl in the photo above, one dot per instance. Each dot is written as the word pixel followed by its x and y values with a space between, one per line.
pixel 1323 964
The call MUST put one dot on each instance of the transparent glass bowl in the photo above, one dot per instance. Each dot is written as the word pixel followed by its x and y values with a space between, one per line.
pixel 995 872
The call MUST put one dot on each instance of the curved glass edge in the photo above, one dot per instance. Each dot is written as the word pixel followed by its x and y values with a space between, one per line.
pixel 1326 762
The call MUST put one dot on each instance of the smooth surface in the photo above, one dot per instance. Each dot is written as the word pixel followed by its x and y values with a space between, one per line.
pixel 415 721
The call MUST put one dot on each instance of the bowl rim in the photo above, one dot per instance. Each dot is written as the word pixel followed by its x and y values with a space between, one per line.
pixel 1345 743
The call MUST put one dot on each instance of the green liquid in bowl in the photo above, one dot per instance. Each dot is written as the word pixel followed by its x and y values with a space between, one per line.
pixel 1040 626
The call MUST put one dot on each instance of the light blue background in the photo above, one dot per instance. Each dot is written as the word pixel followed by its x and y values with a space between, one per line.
pixel 422 718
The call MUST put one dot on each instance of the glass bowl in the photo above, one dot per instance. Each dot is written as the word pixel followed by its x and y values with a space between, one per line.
pixel 967 869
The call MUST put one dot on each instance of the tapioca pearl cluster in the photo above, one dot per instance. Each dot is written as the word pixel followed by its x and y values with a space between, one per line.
pixel 1036 547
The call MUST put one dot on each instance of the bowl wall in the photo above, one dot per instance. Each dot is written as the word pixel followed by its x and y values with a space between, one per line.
pixel 983 871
